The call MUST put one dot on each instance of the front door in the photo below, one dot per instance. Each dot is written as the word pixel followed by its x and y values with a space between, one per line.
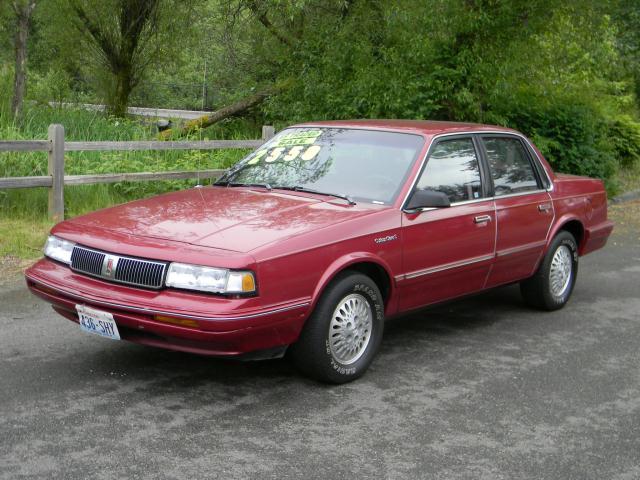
pixel 448 252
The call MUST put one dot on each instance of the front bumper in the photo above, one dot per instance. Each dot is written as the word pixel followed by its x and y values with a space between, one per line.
pixel 216 326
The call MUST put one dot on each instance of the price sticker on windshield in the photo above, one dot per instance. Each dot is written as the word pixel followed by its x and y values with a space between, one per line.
pixel 275 154
pixel 293 153
pixel 258 155
pixel 285 154
pixel 304 137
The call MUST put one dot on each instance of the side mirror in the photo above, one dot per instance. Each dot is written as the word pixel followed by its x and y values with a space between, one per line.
pixel 428 199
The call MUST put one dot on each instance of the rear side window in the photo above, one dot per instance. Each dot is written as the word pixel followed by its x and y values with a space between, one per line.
pixel 510 166
pixel 453 168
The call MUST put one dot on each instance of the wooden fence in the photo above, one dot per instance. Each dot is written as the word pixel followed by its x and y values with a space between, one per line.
pixel 56 147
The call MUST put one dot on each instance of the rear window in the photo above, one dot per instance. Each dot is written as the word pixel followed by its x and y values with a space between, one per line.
pixel 511 168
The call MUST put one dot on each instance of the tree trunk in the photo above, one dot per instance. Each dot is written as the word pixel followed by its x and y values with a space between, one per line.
pixel 23 22
pixel 123 86
pixel 226 112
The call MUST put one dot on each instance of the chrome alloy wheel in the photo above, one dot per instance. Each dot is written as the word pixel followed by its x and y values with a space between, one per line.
pixel 560 271
pixel 350 328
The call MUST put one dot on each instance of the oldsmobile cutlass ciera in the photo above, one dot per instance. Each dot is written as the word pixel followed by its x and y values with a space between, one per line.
pixel 313 240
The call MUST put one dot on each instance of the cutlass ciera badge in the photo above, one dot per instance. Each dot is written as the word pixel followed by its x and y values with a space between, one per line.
pixel 109 265
pixel 388 238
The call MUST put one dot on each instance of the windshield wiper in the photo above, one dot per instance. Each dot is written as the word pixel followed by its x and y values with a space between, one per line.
pixel 238 184
pixel 298 188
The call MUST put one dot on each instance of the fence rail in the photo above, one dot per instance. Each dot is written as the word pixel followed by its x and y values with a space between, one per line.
pixel 56 148
pixel 25 146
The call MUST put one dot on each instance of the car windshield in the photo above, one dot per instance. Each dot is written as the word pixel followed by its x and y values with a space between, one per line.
pixel 359 164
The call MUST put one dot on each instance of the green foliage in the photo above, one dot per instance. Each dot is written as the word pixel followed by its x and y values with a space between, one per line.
pixel 53 86
pixel 624 132
pixel 572 137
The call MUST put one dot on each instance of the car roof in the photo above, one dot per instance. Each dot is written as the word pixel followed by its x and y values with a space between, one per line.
pixel 428 127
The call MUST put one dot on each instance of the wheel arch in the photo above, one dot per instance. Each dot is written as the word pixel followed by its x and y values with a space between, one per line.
pixel 574 226
pixel 367 264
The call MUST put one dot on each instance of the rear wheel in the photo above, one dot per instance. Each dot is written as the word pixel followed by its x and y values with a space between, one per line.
pixel 343 335
pixel 551 286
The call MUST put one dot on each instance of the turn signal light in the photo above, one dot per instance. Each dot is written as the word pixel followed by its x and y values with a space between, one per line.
pixel 248 283
pixel 183 322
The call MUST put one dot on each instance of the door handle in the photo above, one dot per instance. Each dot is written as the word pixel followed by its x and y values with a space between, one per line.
pixel 482 219
pixel 544 207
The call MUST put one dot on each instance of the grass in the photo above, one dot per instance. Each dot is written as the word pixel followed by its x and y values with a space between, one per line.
pixel 22 238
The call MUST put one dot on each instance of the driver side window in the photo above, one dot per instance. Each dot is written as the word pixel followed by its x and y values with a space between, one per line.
pixel 452 168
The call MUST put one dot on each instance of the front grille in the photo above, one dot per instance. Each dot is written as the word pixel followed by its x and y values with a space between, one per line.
pixel 87 261
pixel 115 268
pixel 140 272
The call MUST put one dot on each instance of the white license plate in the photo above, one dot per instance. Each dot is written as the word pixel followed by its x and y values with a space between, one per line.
pixel 97 322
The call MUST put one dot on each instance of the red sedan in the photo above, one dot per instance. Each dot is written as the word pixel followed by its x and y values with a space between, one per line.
pixel 313 240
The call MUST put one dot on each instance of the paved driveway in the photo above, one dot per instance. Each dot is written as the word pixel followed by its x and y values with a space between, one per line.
pixel 481 388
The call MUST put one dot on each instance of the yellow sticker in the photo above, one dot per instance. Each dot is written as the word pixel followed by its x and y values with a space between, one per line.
pixel 311 152
pixel 259 154
pixel 293 153
pixel 306 137
pixel 275 153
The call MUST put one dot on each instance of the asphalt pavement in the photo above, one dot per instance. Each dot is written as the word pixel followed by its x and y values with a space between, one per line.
pixel 483 388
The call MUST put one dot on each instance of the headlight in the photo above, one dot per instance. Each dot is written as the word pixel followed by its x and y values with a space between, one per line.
pixel 208 279
pixel 59 249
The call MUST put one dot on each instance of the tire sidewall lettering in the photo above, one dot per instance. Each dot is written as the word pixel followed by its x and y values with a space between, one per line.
pixel 372 298
pixel 571 245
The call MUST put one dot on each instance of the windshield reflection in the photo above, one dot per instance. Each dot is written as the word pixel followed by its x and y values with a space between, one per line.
pixel 361 164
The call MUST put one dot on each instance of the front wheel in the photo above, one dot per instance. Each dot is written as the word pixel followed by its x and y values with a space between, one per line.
pixel 552 285
pixel 343 335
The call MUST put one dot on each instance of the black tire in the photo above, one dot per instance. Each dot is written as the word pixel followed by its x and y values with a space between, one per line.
pixel 538 291
pixel 313 353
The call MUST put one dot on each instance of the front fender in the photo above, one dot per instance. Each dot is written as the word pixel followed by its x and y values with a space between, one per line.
pixel 343 263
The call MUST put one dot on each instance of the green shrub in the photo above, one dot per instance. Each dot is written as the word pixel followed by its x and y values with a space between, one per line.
pixel 625 135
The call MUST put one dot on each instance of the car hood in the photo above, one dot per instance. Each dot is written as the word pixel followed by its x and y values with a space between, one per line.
pixel 236 219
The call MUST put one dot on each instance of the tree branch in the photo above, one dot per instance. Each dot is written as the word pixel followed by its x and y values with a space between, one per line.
pixel 229 111
pixel 264 20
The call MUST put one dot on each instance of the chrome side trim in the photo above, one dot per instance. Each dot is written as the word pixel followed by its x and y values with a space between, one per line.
pixel 475 200
pixel 520 248
pixel 149 311
pixel 447 266
pixel 499 197
pixel 519 194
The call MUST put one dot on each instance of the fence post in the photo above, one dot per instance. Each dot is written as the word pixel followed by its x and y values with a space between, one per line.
pixel 268 132
pixel 56 170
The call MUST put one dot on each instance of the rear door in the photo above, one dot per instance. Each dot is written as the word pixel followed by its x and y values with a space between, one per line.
pixel 447 252
pixel 524 210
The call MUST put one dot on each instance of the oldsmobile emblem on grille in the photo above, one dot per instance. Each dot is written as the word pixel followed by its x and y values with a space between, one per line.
pixel 109 265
